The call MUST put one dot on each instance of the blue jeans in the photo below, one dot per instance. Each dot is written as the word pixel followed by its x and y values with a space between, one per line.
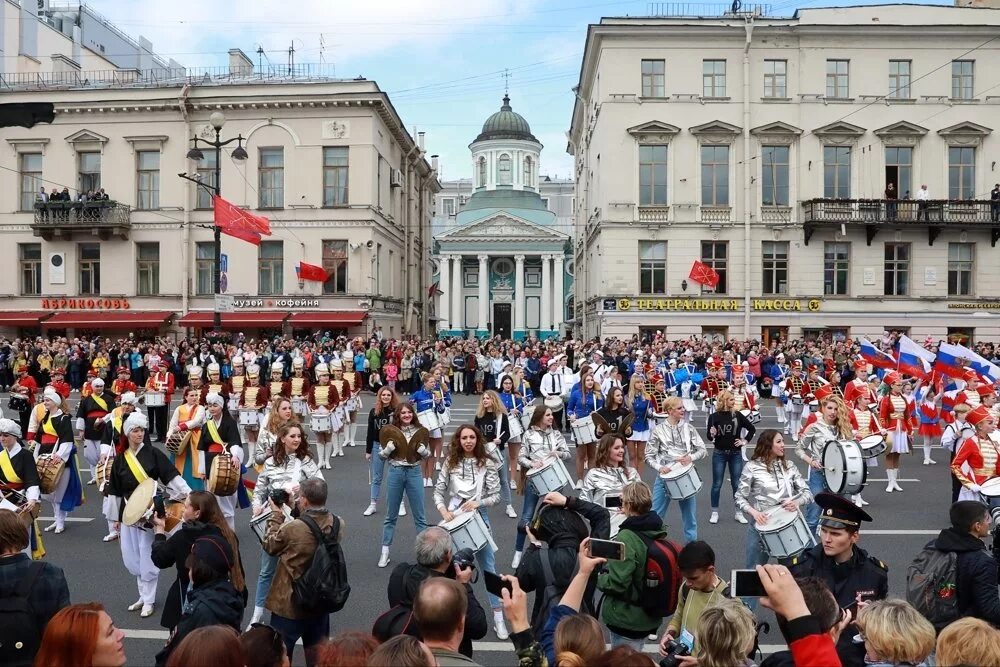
pixel 504 477
pixel 618 640
pixel 488 561
pixel 313 631
pixel 661 502
pixel 527 512
pixel 402 479
pixel 378 469
pixel 817 483
pixel 268 564
pixel 721 459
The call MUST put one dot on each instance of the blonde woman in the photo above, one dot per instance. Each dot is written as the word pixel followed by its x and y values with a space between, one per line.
pixel 895 634
pixel 833 423
pixel 493 420
pixel 968 641
pixel 280 414
pixel 726 634
pixel 641 403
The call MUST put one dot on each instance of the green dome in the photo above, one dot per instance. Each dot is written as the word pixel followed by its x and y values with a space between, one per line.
pixel 506 124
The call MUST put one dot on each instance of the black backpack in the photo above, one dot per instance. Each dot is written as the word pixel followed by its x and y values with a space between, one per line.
pixel 551 595
pixel 20 636
pixel 323 587
pixel 931 585
pixel 662 577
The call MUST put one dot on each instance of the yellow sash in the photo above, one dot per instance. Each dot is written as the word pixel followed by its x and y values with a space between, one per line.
pixel 49 427
pixel 100 401
pixel 7 468
pixel 213 431
pixel 117 420
pixel 135 466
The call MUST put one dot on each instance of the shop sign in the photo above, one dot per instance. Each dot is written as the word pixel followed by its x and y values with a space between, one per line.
pixel 279 302
pixel 645 304
pixel 976 305
pixel 785 305
pixel 66 303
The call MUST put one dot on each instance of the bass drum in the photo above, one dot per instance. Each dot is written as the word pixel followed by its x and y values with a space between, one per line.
pixel 844 466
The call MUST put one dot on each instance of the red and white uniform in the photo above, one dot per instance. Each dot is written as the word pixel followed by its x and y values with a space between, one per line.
pixel 162 381
pixel 858 387
pixel 896 413
pixel 976 460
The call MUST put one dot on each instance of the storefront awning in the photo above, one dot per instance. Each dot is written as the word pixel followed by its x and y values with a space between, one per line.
pixel 22 318
pixel 342 318
pixel 247 319
pixel 134 319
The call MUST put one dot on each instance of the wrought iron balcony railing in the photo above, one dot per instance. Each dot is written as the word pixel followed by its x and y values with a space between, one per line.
pixel 64 218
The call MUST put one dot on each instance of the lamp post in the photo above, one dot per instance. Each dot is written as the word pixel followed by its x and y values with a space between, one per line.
pixel 217 119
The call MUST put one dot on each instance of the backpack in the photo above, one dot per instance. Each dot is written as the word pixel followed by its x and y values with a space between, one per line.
pixel 20 634
pixel 662 580
pixel 551 595
pixel 931 585
pixel 323 587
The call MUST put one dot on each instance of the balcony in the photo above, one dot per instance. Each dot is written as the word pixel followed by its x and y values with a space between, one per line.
pixel 875 214
pixel 775 214
pixel 63 219
pixel 654 213
pixel 715 213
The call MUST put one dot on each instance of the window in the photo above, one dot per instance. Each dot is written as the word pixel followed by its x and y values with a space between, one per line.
pixel 899 79
pixel 963 79
pixel 270 268
pixel 31 179
pixel 653 267
pixel 482 172
pixel 148 180
pixel 715 175
pixel 335 265
pixel 899 168
pixel 206 175
pixel 715 254
pixel 272 178
pixel 897 269
pixel 776 78
pixel 529 178
pixel 837 172
pixel 836 268
pixel 335 176
pixel 30 255
pixel 147 269
pixel 204 268
pixel 504 170
pixel 837 79
pixel 448 206
pixel 654 78
pixel 713 78
pixel 653 175
pixel 775 258
pixel 960 267
pixel 545 203
pixel 774 176
pixel 90 268
pixel 89 171
pixel 961 172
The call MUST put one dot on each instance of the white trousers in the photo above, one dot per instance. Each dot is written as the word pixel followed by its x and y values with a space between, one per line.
pixel 92 451
pixel 228 506
pixel 136 546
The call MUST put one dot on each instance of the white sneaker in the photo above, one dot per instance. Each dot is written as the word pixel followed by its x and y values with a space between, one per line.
pixel 371 510
pixel 511 513
pixel 135 606
pixel 740 518
pixel 653 637
pixel 383 560
pixel 147 611
pixel 513 485
pixel 517 560
pixel 110 537
pixel 930 462
pixel 437 465
pixel 402 509
pixel 49 528
pixel 579 485
pixel 714 518
pixel 500 627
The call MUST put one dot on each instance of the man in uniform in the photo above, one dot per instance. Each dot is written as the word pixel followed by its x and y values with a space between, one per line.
pixel 123 383
pixel 159 415
pixel 855 578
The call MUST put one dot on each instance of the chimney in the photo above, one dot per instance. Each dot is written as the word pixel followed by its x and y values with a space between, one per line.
pixel 434 162
pixel 420 140
pixel 239 64
pixel 990 4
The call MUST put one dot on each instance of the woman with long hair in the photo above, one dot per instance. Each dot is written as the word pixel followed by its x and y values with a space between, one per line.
pixel 640 402
pixel 768 481
pixel 469 482
pixel 431 397
pixel 493 420
pixel 615 411
pixel 289 465
pixel 386 402
pixel 833 422
pixel 726 634
pixel 280 414
pixel 404 474
pixel 729 431
pixel 896 414
pixel 584 400
pixel 82 635
pixel 609 476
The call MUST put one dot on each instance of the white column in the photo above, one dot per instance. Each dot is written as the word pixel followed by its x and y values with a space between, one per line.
pixel 444 300
pixel 457 305
pixel 558 306
pixel 519 292
pixel 545 321
pixel 484 292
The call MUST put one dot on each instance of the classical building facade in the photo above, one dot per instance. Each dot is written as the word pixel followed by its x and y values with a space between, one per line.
pixel 500 252
pixel 764 147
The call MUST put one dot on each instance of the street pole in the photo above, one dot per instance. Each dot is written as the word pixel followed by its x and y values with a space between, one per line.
pixel 217 273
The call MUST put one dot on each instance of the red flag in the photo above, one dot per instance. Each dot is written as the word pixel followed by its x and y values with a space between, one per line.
pixel 703 274
pixel 241 234
pixel 228 215
pixel 311 272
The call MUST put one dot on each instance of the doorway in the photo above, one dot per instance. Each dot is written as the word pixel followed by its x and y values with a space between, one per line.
pixel 773 335
pixel 501 320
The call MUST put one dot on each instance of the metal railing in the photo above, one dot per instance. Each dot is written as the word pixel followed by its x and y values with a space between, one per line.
pixel 867 211
pixel 82 214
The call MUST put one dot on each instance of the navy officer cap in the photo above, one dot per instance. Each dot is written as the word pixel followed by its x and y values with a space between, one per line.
pixel 839 512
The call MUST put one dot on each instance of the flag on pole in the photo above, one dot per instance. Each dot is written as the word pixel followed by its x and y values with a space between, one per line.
pixel 952 359
pixel 235 222
pixel 875 356
pixel 703 274
pixel 913 359
pixel 311 272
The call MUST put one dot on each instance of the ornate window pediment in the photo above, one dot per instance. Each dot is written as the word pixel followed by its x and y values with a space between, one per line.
pixel 654 132
pixel 86 137
pixel 839 133
pixel 902 133
pixel 776 134
pixel 965 133
pixel 716 132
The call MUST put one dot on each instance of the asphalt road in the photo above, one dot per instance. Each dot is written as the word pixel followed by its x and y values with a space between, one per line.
pixel 904 522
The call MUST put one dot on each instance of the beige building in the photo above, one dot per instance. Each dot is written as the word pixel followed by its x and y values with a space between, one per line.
pixel 764 147
pixel 328 162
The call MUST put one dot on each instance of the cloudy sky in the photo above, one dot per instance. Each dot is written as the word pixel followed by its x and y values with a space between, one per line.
pixel 441 61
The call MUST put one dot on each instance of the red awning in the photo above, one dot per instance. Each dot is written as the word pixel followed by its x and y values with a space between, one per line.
pixel 341 318
pixel 22 318
pixel 126 319
pixel 266 319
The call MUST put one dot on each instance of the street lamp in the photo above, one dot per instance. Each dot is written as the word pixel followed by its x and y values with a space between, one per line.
pixel 217 120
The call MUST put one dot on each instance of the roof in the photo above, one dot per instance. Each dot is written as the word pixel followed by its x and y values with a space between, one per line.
pixel 506 124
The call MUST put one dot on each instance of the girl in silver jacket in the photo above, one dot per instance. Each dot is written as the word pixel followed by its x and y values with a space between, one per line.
pixel 609 477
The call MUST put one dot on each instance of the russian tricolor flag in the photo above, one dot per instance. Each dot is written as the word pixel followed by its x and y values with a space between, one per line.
pixel 875 356
pixel 952 359
pixel 914 360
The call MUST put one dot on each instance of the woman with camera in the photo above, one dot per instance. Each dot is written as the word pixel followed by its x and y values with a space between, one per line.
pixel 404 473
pixel 609 476
pixel 470 481
pixel 283 471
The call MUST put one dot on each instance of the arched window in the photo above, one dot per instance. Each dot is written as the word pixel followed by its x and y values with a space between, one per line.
pixel 482 172
pixel 504 170
pixel 528 181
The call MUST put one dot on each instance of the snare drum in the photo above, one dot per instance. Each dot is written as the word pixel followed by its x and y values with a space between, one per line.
pixel 814 405
pixel 50 472
pixel 554 403
pixel 656 418
pixel 224 477
pixel 552 476
pixel 299 405
pixel 154 399
pixel 873 446
pixel 785 534
pixel 321 422
pixel 430 420
pixel 990 488
pixel 796 399
pixel 584 431
pixel 468 531
pixel 682 482
pixel 249 418
pixel 844 466
pixel 526 414
pixel 445 417
pixel 516 429
pixel 753 416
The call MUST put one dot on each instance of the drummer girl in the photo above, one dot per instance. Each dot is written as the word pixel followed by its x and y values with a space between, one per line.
pixel 470 480
pixel 189 416
pixel 324 399
pixel 768 481
pixel 584 400
pixel 980 456
pixel 833 423
pixel 895 413
pixel 254 397
pixel 865 423
pixel 56 440
pixel 404 476
pixel 641 403
pixel 541 443
pixel 381 414
pixel 220 435
pixel 512 393
pixel 431 397
pixel 609 476
pixel 18 473
pixel 493 421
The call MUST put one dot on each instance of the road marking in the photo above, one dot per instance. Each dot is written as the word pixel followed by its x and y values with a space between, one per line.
pixel 900 532
pixel 876 479
pixel 74 519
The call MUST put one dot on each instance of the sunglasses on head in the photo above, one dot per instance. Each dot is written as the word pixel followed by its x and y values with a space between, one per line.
pixel 277 642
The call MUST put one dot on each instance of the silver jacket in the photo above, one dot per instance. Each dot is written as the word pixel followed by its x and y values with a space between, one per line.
pixel 462 483
pixel 764 487
pixel 265 439
pixel 601 482
pixel 667 444
pixel 273 476
pixel 408 432
pixel 814 440
pixel 536 444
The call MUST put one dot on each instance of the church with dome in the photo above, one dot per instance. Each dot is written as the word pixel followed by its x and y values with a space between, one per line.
pixel 502 265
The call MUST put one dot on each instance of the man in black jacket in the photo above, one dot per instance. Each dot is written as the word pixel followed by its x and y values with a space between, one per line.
pixel 434 559
pixel 976 584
